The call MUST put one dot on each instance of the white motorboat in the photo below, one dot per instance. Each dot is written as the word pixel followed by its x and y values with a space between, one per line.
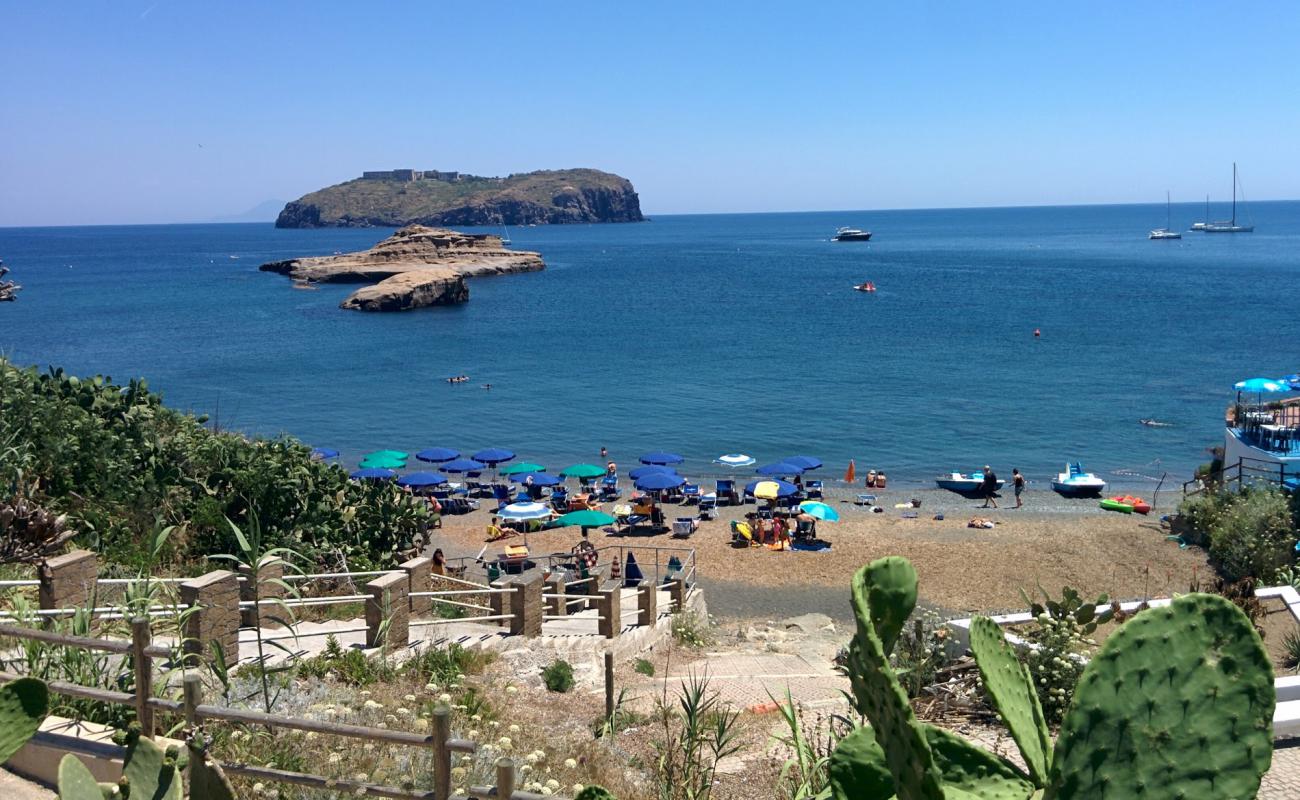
pixel 1074 482
pixel 964 484
pixel 851 235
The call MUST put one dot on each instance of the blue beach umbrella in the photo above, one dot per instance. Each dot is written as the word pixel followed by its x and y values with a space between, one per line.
pixel 1261 385
pixel 658 481
pixel 435 455
pixel 462 465
pixel 539 478
pixel 661 459
pixel 493 455
pixel 373 474
pixel 780 468
pixel 416 479
pixel 783 489
pixel 643 471
pixel 807 462
pixel 819 510
pixel 1292 380
pixel 324 453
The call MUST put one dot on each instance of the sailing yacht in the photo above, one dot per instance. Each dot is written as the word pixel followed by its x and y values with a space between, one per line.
pixel 1167 232
pixel 1230 226
pixel 1200 226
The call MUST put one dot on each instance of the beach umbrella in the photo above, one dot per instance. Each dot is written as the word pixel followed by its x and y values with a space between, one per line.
pixel 323 453
pixel 539 478
pixel 521 512
pixel 643 471
pixel 771 490
pixel 735 460
pixel 1292 380
pixel 658 481
pixel 807 462
pixel 780 468
pixel 382 462
pixel 1261 385
pixel 661 459
pixel 819 510
pixel 417 479
pixel 582 471
pixel 435 455
pixel 462 465
pixel 373 474
pixel 493 456
pixel 521 467
pixel 397 454
pixel 584 519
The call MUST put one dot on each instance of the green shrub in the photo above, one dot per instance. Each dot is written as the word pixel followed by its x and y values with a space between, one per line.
pixel 644 667
pixel 1254 536
pixel 1200 513
pixel 558 676
pixel 434 665
pixel 690 629
pixel 923 647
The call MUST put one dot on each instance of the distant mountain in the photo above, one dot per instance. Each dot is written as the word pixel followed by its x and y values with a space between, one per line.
pixel 394 198
pixel 265 211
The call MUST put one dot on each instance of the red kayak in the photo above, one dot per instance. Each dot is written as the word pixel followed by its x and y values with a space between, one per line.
pixel 1138 505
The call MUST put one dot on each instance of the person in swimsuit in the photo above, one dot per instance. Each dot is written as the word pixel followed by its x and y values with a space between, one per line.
pixel 1018 482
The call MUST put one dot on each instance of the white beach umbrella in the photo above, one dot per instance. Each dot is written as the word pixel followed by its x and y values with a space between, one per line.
pixel 525 511
pixel 735 460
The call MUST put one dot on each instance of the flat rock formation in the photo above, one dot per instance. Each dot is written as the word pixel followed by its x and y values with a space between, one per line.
pixel 399 197
pixel 415 267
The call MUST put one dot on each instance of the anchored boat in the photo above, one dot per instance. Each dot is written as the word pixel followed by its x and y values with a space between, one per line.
pixel 851 235
pixel 1074 482
pixel 964 484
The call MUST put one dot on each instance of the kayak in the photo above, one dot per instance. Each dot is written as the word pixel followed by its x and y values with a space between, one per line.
pixel 1126 504
pixel 1111 504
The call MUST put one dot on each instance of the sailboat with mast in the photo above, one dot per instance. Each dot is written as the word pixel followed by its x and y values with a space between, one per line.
pixel 1231 225
pixel 1167 232
pixel 1200 226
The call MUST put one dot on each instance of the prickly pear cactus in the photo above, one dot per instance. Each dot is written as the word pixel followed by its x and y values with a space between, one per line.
pixel 23 706
pixel 207 780
pixel 875 686
pixel 76 782
pixel 151 773
pixel 1177 704
pixel 594 793
pixel 1011 689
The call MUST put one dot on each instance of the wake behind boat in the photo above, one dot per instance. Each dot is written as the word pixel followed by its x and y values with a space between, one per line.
pixel 851 235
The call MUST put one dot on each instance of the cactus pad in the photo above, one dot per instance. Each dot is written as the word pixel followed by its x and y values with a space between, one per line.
pixel 594 793
pixel 76 782
pixel 857 769
pixel 1177 704
pixel 875 687
pixel 23 706
pixel 207 780
pixel 1012 691
pixel 151 773
pixel 891 586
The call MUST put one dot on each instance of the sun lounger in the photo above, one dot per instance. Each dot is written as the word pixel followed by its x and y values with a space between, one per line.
pixel 726 491
pixel 690 493
pixel 865 500
pixel 814 490
pixel 683 527
pixel 708 506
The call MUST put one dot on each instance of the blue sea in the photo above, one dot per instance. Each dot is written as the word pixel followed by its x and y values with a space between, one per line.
pixel 706 334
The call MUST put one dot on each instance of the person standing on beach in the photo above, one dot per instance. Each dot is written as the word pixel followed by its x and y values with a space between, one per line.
pixel 989 487
pixel 1018 482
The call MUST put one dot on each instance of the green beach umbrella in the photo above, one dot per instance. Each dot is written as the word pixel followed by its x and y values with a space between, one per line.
pixel 523 466
pixel 397 454
pixel 377 461
pixel 583 471
pixel 584 519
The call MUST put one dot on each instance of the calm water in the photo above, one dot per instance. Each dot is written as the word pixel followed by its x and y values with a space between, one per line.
pixel 705 335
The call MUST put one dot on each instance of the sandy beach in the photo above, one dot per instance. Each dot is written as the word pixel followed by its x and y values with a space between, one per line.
pixel 961 569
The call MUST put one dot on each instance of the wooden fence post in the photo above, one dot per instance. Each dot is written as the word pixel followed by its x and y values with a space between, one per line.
pixel 505 778
pixel 143 666
pixel 609 688
pixel 441 755
pixel 192 699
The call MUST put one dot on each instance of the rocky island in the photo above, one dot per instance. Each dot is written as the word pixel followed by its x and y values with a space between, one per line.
pixel 392 198
pixel 415 267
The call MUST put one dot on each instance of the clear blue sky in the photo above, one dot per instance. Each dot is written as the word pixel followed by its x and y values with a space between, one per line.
pixel 143 111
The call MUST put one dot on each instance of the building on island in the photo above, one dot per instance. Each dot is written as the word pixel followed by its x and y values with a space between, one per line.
pixel 409 175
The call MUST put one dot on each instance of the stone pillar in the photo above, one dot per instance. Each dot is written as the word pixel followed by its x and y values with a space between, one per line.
pixel 68 581
pixel 260 587
pixel 647 603
pixel 526 605
pixel 497 602
pixel 215 597
pixel 388 603
pixel 419 572
pixel 676 586
pixel 554 584
pixel 609 607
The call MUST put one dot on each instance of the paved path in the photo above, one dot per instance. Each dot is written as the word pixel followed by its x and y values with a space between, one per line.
pixel 13 787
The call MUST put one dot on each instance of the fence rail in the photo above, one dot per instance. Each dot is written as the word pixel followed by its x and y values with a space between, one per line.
pixel 1245 472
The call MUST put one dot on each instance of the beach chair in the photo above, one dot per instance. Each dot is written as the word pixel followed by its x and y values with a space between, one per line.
pixel 814 490
pixel 477 489
pixel 560 499
pixel 690 493
pixel 708 506
pixel 683 527
pixel 501 494
pixel 726 490
pixel 865 500
pixel 609 490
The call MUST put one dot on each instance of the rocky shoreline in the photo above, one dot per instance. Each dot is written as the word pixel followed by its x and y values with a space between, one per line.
pixel 416 267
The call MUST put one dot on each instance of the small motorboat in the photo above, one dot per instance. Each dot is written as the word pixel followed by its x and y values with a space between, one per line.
pixel 1074 482
pixel 1126 504
pixel 851 235
pixel 964 484
pixel 865 287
